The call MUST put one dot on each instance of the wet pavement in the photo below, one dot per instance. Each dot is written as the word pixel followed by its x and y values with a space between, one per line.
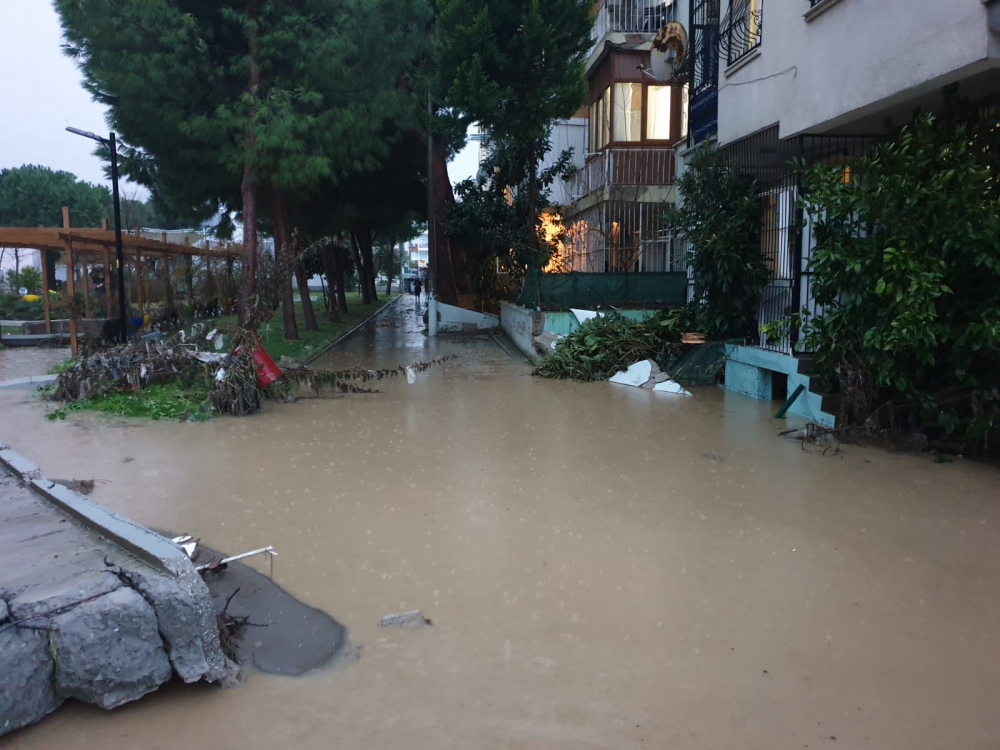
pixel 24 362
pixel 595 580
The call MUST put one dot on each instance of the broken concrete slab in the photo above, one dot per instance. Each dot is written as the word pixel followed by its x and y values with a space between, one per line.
pixel 186 620
pixel 637 375
pixel 53 597
pixel 55 569
pixel 670 386
pixel 27 672
pixel 647 374
pixel 582 316
pixel 108 651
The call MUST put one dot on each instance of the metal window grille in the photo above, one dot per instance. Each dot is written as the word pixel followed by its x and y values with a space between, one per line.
pixel 742 29
pixel 787 238
pixel 621 236
pixel 703 62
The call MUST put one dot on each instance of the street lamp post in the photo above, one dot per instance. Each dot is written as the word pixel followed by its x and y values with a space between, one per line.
pixel 112 143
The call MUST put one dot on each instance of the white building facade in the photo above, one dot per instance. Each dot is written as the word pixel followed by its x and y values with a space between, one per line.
pixel 823 81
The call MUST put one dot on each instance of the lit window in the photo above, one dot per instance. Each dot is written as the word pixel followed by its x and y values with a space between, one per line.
pixel 628 112
pixel 658 114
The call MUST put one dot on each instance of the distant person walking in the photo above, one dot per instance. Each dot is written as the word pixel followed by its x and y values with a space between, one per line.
pixel 417 288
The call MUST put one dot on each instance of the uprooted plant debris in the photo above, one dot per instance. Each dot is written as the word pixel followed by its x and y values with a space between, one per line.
pixel 189 374
pixel 606 344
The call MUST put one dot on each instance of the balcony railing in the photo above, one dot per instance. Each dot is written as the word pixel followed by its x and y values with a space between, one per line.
pixel 622 167
pixel 632 17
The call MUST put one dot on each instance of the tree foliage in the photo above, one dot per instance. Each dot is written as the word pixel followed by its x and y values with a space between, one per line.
pixel 906 267
pixel 33 196
pixel 720 215
pixel 494 222
pixel 516 67
pixel 604 345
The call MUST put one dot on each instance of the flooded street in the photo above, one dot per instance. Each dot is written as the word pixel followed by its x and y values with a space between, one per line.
pixel 595 580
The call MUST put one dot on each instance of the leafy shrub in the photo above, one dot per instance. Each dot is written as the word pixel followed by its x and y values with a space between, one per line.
pixel 907 268
pixel 720 215
pixel 602 346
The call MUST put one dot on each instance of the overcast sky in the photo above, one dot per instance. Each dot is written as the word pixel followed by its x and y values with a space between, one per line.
pixel 43 93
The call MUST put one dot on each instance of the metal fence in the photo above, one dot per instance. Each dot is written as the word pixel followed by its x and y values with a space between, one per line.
pixel 703 62
pixel 620 236
pixel 626 167
pixel 787 238
pixel 632 16
pixel 561 291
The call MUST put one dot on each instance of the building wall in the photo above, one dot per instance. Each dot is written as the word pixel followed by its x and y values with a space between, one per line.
pixel 569 134
pixel 856 58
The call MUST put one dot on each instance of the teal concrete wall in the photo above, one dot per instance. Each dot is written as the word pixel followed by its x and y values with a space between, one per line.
pixel 749 372
pixel 564 322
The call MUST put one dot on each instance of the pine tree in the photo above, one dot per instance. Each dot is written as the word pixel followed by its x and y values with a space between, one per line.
pixel 241 103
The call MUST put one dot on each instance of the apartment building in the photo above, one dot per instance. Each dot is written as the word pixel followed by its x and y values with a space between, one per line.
pixel 635 115
pixel 820 80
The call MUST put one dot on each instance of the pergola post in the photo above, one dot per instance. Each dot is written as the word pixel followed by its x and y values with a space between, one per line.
pixel 70 287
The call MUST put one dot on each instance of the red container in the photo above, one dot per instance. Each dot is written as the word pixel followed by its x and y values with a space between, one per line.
pixel 267 370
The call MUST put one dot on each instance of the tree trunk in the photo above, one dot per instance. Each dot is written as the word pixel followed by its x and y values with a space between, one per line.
pixel 392 266
pixel 446 286
pixel 362 274
pixel 308 313
pixel 338 266
pixel 330 267
pixel 368 254
pixel 282 251
pixel 248 279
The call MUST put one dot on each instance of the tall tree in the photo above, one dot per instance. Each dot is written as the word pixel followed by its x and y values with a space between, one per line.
pixel 272 97
pixel 515 66
pixel 33 196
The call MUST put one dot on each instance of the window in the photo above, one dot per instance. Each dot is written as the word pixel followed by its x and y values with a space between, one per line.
pixel 742 28
pixel 628 112
pixel 658 113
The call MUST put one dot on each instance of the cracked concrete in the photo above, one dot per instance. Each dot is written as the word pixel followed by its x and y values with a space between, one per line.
pixel 82 616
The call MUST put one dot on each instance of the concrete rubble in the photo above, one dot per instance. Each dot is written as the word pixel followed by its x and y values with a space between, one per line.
pixel 92 605
pixel 648 375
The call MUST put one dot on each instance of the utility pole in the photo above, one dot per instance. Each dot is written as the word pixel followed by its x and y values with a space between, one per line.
pixel 112 143
pixel 432 323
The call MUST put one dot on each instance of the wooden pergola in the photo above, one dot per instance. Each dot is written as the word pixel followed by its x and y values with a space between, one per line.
pixel 84 244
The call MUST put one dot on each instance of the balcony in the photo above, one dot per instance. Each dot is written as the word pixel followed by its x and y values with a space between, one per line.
pixel 632 17
pixel 621 167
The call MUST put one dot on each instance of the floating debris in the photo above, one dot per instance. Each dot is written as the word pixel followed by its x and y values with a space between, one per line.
pixel 414 619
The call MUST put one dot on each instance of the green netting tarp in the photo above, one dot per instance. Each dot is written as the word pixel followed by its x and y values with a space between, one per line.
pixel 588 291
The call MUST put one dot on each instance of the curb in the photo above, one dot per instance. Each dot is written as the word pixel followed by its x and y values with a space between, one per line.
pixel 32 380
pixel 132 537
pixel 312 358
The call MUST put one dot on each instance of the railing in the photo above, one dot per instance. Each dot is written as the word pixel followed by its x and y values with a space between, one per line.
pixel 632 17
pixel 624 167
pixel 703 62
pixel 741 29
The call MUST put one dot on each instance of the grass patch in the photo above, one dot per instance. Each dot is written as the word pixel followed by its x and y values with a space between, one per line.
pixel 158 401
pixel 14 330
pixel 273 334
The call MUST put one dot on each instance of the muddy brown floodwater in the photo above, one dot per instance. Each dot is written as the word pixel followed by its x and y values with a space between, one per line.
pixel 594 580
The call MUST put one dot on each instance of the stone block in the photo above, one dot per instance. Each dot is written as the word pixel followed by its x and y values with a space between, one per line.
pixel 26 672
pixel 108 651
